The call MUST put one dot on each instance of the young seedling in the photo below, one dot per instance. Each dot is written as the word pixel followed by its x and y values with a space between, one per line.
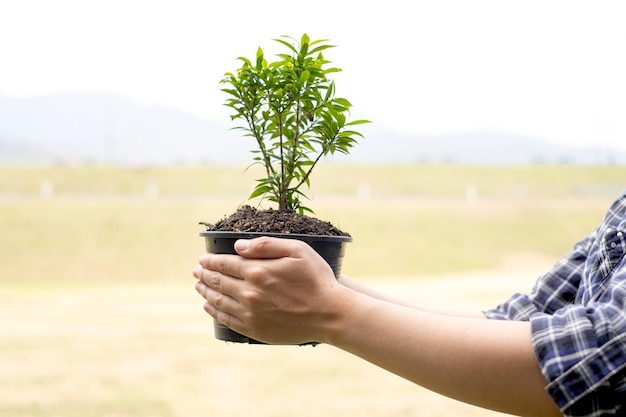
pixel 290 109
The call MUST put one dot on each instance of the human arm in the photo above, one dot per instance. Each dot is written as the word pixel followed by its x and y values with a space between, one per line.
pixel 482 362
pixel 363 289
pixel 280 291
pixel 578 321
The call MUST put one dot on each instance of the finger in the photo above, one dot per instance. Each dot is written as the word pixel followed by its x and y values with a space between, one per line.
pixel 218 282
pixel 219 306
pixel 230 265
pixel 197 271
pixel 268 247
pixel 217 300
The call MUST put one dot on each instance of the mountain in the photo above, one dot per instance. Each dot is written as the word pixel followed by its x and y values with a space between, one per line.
pixel 478 148
pixel 85 127
pixel 106 128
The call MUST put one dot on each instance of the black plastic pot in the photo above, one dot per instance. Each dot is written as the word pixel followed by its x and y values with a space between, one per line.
pixel 331 248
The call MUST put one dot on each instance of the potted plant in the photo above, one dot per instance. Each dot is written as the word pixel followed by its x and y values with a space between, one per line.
pixel 289 108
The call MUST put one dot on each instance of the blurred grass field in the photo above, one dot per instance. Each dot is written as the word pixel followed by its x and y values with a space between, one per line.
pixel 99 316
pixel 91 225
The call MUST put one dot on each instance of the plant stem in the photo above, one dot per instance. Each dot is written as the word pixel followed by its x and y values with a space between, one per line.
pixel 269 169
pixel 282 191
pixel 308 173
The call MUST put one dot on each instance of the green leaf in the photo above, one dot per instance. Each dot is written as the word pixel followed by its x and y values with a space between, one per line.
pixel 332 70
pixel 358 122
pixel 287 44
pixel 258 191
pixel 342 102
pixel 320 47
pixel 304 77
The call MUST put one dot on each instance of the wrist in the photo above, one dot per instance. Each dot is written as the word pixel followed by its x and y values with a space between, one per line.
pixel 343 313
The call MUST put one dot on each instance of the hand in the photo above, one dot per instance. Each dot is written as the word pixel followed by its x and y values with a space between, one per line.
pixel 281 291
pixel 277 291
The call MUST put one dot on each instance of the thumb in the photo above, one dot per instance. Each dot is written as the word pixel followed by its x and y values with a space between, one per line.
pixel 266 247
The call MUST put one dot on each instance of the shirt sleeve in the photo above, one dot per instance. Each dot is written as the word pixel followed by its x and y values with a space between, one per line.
pixel 577 312
pixel 581 352
pixel 580 346
pixel 552 291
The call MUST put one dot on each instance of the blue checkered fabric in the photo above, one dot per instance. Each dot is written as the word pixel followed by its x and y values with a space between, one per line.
pixel 577 312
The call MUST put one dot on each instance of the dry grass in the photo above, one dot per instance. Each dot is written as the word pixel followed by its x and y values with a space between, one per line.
pixel 148 350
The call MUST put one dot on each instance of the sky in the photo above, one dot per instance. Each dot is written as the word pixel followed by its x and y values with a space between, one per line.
pixel 552 70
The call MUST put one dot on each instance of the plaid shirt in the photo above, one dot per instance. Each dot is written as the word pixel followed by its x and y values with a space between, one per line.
pixel 577 312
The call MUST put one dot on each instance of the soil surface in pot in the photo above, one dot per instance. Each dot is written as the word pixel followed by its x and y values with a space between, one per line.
pixel 249 219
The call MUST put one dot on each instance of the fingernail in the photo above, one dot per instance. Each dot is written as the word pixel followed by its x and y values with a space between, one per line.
pixel 241 245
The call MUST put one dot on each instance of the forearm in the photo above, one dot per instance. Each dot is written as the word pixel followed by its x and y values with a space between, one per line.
pixel 278 291
pixel 487 363
pixel 363 289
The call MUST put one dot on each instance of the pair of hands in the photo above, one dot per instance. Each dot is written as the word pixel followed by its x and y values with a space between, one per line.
pixel 277 291
pixel 280 291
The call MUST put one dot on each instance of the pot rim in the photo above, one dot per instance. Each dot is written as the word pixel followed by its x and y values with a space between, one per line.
pixel 252 235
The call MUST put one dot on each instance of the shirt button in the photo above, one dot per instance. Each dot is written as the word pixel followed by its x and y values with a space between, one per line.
pixel 613 245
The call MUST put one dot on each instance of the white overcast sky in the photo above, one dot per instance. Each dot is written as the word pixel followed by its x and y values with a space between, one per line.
pixel 548 69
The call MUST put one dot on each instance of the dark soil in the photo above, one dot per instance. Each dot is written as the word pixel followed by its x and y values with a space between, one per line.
pixel 249 219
